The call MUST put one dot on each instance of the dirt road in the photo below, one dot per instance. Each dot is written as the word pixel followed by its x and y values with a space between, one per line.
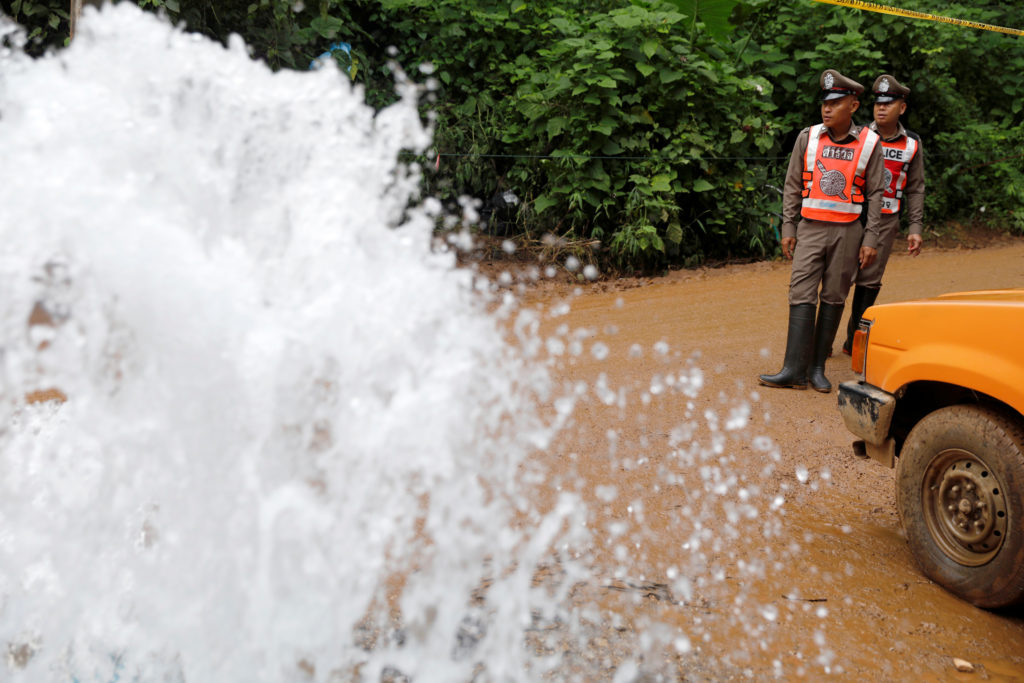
pixel 670 367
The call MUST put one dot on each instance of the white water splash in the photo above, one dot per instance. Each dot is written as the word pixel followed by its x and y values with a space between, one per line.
pixel 286 448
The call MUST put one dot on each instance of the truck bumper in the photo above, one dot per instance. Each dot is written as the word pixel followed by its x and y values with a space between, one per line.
pixel 867 412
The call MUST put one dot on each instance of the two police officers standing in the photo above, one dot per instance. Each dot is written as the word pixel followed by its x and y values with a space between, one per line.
pixel 844 191
pixel 836 173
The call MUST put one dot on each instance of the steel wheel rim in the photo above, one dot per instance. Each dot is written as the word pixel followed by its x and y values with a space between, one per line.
pixel 964 507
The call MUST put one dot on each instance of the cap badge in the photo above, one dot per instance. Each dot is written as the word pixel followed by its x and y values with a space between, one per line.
pixel 884 85
pixel 829 80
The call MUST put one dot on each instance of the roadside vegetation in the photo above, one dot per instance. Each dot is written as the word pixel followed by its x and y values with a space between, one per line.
pixel 646 134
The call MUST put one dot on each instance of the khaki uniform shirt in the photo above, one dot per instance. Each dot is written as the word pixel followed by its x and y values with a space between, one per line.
pixel 793 188
pixel 912 203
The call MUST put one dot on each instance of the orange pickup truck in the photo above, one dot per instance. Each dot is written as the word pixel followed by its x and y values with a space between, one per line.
pixel 941 398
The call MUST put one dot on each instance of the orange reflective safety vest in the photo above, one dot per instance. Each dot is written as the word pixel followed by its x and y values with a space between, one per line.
pixel 833 175
pixel 898 154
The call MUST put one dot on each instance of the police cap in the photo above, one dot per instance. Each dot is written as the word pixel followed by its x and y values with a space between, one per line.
pixel 887 89
pixel 835 85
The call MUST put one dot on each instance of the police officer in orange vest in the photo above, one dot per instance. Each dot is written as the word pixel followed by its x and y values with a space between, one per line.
pixel 904 193
pixel 835 173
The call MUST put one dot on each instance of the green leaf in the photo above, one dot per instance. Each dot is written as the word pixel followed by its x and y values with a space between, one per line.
pixel 669 75
pixel 649 47
pixel 626 20
pixel 642 115
pixel 611 148
pixel 714 13
pixel 563 154
pixel 701 185
pixel 532 110
pixel 326 26
pixel 644 68
pixel 543 202
pixel 661 183
pixel 674 233
pixel 564 25
pixel 556 125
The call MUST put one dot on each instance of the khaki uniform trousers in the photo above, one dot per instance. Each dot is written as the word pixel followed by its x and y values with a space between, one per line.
pixel 888 228
pixel 826 254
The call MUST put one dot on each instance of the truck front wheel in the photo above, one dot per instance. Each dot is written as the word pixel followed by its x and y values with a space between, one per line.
pixel 960 491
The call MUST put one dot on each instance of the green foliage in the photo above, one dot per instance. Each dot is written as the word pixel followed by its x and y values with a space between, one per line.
pixel 987 176
pixel 46 22
pixel 656 127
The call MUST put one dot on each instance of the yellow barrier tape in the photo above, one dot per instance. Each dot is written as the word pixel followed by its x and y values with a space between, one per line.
pixel 875 7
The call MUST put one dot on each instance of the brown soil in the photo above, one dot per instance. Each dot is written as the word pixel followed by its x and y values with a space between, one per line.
pixel 841 593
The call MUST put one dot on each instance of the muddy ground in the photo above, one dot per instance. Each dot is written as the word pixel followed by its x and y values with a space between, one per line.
pixel 836 590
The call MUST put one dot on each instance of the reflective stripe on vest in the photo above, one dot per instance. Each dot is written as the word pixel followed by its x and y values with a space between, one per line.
pixel 898 154
pixel 835 193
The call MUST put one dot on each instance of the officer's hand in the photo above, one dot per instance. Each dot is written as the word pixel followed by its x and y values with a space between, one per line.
pixel 867 256
pixel 788 245
pixel 914 244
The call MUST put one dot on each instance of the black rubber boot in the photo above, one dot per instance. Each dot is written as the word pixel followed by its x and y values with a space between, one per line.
pixel 863 298
pixel 829 316
pixel 798 349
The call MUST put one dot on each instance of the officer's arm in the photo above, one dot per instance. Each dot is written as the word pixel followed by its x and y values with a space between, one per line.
pixel 874 180
pixel 793 188
pixel 914 193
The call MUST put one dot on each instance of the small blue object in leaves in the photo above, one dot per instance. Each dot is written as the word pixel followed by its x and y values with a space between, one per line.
pixel 336 47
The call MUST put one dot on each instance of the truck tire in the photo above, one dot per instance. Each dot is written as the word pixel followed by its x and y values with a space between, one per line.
pixel 960 492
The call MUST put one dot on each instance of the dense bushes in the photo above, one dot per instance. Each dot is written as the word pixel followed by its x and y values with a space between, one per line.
pixel 627 123
pixel 611 125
